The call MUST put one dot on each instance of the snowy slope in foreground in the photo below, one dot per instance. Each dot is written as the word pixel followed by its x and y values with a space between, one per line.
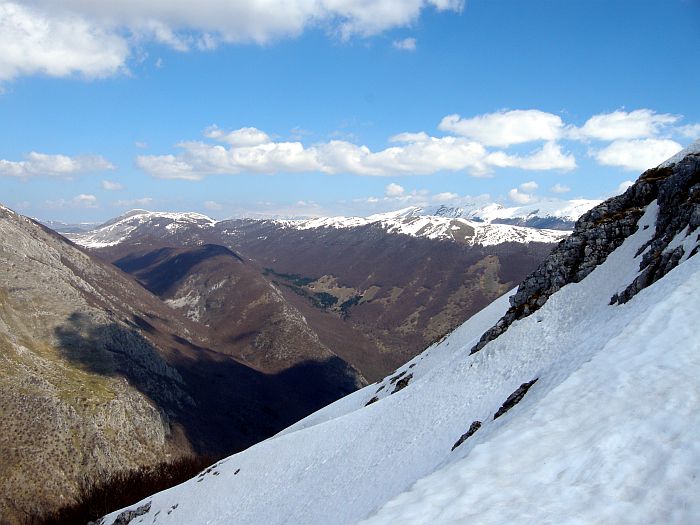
pixel 607 434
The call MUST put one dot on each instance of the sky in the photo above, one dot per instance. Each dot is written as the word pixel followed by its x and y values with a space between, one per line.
pixel 337 107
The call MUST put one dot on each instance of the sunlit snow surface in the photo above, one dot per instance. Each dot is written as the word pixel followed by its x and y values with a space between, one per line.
pixel 608 434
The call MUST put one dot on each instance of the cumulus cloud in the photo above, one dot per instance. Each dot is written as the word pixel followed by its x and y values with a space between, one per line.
pixel 394 190
pixel 42 164
pixel 560 188
pixel 445 196
pixel 56 44
pixel 111 186
pixel 64 37
pixel 529 187
pixel 406 137
pixel 407 44
pixel 253 151
pixel 637 155
pixel 524 193
pixel 691 131
pixel 238 137
pixel 549 157
pixel 477 146
pixel 197 159
pixel 505 128
pixel 86 200
pixel 520 197
pixel 637 124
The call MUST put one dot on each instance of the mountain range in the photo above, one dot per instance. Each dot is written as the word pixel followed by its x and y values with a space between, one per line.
pixel 168 334
pixel 573 398
pixel 376 290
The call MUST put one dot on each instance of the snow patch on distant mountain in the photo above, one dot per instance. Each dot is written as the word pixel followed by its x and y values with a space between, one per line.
pixel 556 211
pixel 117 230
pixel 435 227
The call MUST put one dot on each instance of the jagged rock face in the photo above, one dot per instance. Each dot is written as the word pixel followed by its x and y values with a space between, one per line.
pixel 603 229
pixel 676 226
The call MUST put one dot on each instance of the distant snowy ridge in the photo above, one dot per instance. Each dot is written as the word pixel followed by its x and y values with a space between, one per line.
pixel 117 230
pixel 565 211
pixel 435 227
pixel 585 410
pixel 416 222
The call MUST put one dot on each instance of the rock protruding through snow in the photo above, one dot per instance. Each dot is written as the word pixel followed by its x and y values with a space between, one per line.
pixel 604 228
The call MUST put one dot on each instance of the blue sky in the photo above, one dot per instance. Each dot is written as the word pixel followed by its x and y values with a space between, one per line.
pixel 314 107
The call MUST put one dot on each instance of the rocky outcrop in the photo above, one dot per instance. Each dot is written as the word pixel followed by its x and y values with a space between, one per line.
pixel 515 398
pixel 677 234
pixel 476 425
pixel 602 230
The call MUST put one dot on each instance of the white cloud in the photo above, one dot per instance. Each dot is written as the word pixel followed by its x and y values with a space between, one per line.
pixel 394 190
pixel 42 164
pixel 39 42
pixel 64 37
pixel 529 187
pixel 520 197
pixel 213 205
pixel 524 193
pixel 111 186
pixel 197 159
pixel 692 131
pixel 140 144
pixel 133 203
pixel 637 124
pixel 405 137
pixel 505 128
pixel 86 200
pixel 549 157
pixel 637 155
pixel 407 44
pixel 560 188
pixel 238 137
pixel 445 196
pixel 415 154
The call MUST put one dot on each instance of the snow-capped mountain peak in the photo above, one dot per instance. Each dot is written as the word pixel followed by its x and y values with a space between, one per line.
pixel 117 230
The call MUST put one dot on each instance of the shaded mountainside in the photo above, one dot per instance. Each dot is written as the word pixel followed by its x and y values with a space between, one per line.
pixel 583 402
pixel 244 314
pixel 373 297
pixel 100 375
pixel 403 292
